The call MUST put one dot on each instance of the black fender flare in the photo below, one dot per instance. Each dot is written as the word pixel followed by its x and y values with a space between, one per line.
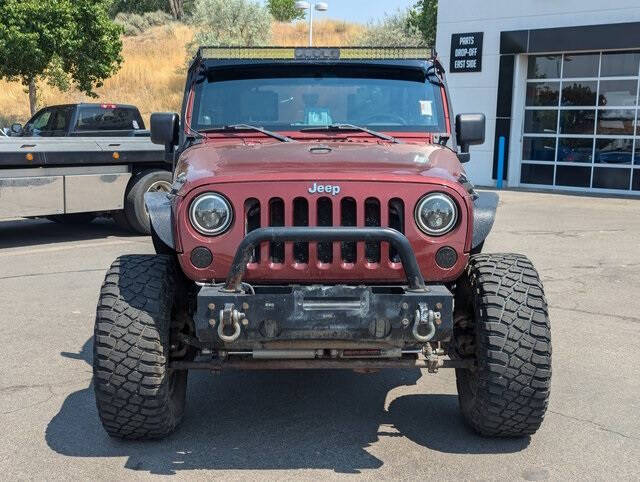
pixel 484 214
pixel 161 216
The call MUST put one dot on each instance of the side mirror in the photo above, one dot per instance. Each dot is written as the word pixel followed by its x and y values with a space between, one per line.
pixel 469 131
pixel 164 129
pixel 17 129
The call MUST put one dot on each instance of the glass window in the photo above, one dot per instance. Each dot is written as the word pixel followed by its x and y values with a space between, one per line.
pixel 539 149
pixel 584 107
pixel 544 67
pixel 536 174
pixel 575 150
pixel 573 176
pixel 580 65
pixel 40 121
pixel 611 178
pixel 614 151
pixel 542 93
pixel 97 118
pixel 282 97
pixel 618 92
pixel 616 121
pixel 540 121
pixel 61 119
pixel 619 64
pixel 579 93
pixel 577 121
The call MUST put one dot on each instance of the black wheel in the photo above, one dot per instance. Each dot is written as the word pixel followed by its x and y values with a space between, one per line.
pixel 72 219
pixel 502 321
pixel 137 394
pixel 134 208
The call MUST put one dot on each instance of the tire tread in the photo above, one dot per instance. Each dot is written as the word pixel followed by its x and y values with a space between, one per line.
pixel 513 347
pixel 131 346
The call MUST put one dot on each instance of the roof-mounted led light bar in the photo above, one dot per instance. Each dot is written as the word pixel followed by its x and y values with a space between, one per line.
pixel 316 53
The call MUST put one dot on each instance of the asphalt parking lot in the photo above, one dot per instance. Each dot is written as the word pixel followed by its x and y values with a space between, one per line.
pixel 393 424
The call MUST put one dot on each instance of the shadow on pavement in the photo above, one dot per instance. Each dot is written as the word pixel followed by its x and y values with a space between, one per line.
pixel 278 420
pixel 34 232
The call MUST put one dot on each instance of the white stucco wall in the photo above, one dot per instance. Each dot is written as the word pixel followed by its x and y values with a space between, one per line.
pixel 477 92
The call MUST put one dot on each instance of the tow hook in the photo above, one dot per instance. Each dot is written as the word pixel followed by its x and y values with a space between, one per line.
pixel 229 316
pixel 425 316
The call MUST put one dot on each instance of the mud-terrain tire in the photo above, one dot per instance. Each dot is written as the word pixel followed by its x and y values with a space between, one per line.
pixel 137 395
pixel 134 207
pixel 508 393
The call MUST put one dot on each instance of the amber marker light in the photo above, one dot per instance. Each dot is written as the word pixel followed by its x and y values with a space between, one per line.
pixel 116 155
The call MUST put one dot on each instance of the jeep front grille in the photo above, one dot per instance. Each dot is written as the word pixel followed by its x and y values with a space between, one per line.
pixel 323 211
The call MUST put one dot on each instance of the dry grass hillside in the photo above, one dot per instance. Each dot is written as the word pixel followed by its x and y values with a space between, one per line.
pixel 152 75
pixel 325 32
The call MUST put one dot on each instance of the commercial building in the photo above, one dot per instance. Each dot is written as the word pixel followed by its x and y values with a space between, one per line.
pixel 558 80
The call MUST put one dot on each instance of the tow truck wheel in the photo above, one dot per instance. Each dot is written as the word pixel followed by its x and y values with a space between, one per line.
pixel 138 396
pixel 134 208
pixel 508 332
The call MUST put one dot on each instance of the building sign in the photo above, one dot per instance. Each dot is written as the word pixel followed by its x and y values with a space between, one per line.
pixel 466 52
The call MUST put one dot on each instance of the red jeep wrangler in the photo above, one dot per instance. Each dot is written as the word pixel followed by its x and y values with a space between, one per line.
pixel 320 218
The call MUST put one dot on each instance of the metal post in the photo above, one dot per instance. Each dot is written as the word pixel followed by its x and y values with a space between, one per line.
pixel 500 174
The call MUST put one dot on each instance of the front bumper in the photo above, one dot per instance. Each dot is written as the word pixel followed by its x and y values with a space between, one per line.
pixel 369 315
pixel 230 316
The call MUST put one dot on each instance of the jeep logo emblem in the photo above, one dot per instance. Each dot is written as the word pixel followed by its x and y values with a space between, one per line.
pixel 324 188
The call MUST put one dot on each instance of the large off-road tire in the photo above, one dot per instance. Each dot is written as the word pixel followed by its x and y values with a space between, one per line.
pixel 137 395
pixel 509 334
pixel 134 208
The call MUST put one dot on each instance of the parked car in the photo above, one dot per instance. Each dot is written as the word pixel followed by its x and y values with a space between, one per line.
pixel 320 218
pixel 83 120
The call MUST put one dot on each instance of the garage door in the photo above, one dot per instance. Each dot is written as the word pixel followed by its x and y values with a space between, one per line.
pixel 580 123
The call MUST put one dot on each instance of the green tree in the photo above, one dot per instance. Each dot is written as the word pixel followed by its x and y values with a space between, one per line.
pixel 177 8
pixel 137 6
pixel 285 10
pixel 63 42
pixel 424 17
pixel 237 23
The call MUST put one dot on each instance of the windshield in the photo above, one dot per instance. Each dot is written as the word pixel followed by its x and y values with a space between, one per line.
pixel 297 97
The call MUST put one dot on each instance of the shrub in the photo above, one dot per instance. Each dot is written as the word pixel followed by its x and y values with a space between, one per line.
pixel 135 24
pixel 393 31
pixel 236 23
pixel 158 18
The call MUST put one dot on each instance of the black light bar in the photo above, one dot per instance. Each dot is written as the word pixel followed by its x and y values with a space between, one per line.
pixel 316 53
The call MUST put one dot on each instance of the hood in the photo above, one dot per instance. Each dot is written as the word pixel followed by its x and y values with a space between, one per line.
pixel 307 161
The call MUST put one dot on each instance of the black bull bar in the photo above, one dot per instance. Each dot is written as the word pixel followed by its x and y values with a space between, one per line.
pixel 415 279
pixel 393 314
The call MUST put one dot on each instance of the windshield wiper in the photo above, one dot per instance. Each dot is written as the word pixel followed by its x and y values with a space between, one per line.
pixel 351 127
pixel 247 127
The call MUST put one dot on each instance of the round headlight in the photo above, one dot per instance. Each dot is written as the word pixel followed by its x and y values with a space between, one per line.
pixel 436 214
pixel 211 214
